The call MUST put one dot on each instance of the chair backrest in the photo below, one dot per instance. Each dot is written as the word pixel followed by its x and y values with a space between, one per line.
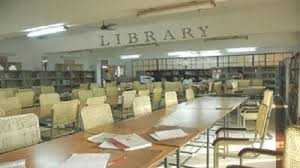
pixel 243 83
pixel 157 85
pixel 217 88
pixel 83 95
pixel 210 86
pixel 11 106
pixel 150 86
pixel 84 86
pixel 257 82
pixel 9 92
pixel 2 94
pixel 47 89
pixel 127 98
pixel 95 85
pixel 25 90
pixel 142 87
pixel 144 93
pixel 96 100
pixel 136 85
pixel 171 99
pixel 65 112
pixel 2 112
pixel 74 93
pixel 189 94
pixel 18 132
pixel 26 98
pixel 111 91
pixel 46 103
pixel 268 97
pixel 157 95
pixel 291 157
pixel 96 115
pixel 141 106
pixel 97 91
pixel 262 121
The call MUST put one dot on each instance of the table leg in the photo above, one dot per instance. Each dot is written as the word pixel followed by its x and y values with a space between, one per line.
pixel 207 148
pixel 166 163
pixel 178 158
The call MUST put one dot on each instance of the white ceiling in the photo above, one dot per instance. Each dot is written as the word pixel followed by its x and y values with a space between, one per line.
pixel 16 15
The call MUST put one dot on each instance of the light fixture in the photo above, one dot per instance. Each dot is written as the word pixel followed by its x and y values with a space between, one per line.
pixel 226 38
pixel 241 49
pixel 43 27
pixel 47 31
pixel 179 7
pixel 134 56
pixel 184 54
pixel 210 53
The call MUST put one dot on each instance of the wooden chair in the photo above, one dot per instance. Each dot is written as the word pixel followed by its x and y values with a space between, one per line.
pixel 2 94
pixel 74 94
pixel 11 106
pixel 98 92
pixel 84 86
pixel 136 85
pixel 156 97
pixel 250 113
pixel 26 98
pixel 170 99
pixel 36 90
pixel 141 106
pixel 2 112
pixel 63 114
pixel 111 91
pixel 260 132
pixel 96 115
pixel 96 100
pixel 150 86
pixel 290 154
pixel 157 85
pixel 144 93
pixel 9 92
pixel 46 103
pixel 18 132
pixel 257 82
pixel 83 95
pixel 217 88
pixel 127 100
pixel 95 85
pixel 189 94
pixel 47 89
pixel 25 90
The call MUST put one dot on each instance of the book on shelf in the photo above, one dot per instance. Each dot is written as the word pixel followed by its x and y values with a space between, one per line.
pixel 129 142
pixel 168 134
pixel 90 160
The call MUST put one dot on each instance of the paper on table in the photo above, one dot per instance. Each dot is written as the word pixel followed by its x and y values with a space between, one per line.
pixel 108 145
pixel 168 134
pixel 224 107
pixel 87 160
pixel 100 138
pixel 14 164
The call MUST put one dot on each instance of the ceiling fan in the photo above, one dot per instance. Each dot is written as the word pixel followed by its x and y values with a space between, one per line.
pixel 109 26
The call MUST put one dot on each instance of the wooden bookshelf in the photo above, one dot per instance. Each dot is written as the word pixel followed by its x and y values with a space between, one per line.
pixel 61 80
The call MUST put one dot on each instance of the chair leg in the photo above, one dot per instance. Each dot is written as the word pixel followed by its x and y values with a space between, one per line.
pixel 216 157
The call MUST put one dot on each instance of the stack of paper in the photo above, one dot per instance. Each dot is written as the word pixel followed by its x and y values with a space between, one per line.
pixel 129 142
pixel 14 164
pixel 168 134
pixel 87 160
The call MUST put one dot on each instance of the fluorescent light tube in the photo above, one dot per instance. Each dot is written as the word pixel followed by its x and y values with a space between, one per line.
pixel 210 53
pixel 43 27
pixel 242 49
pixel 175 8
pixel 134 56
pixel 43 32
pixel 184 53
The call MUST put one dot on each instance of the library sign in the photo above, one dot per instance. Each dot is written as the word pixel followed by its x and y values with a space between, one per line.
pixel 148 36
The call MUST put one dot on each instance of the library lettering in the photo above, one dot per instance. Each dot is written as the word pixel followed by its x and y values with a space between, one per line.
pixel 151 36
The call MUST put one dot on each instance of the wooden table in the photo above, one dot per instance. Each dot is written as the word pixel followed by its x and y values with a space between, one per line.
pixel 246 91
pixel 195 115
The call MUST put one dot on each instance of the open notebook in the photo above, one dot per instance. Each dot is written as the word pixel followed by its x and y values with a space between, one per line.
pixel 168 134
pixel 100 138
pixel 128 142
pixel 87 160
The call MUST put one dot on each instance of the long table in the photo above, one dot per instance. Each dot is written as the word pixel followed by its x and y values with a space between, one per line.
pixel 195 117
